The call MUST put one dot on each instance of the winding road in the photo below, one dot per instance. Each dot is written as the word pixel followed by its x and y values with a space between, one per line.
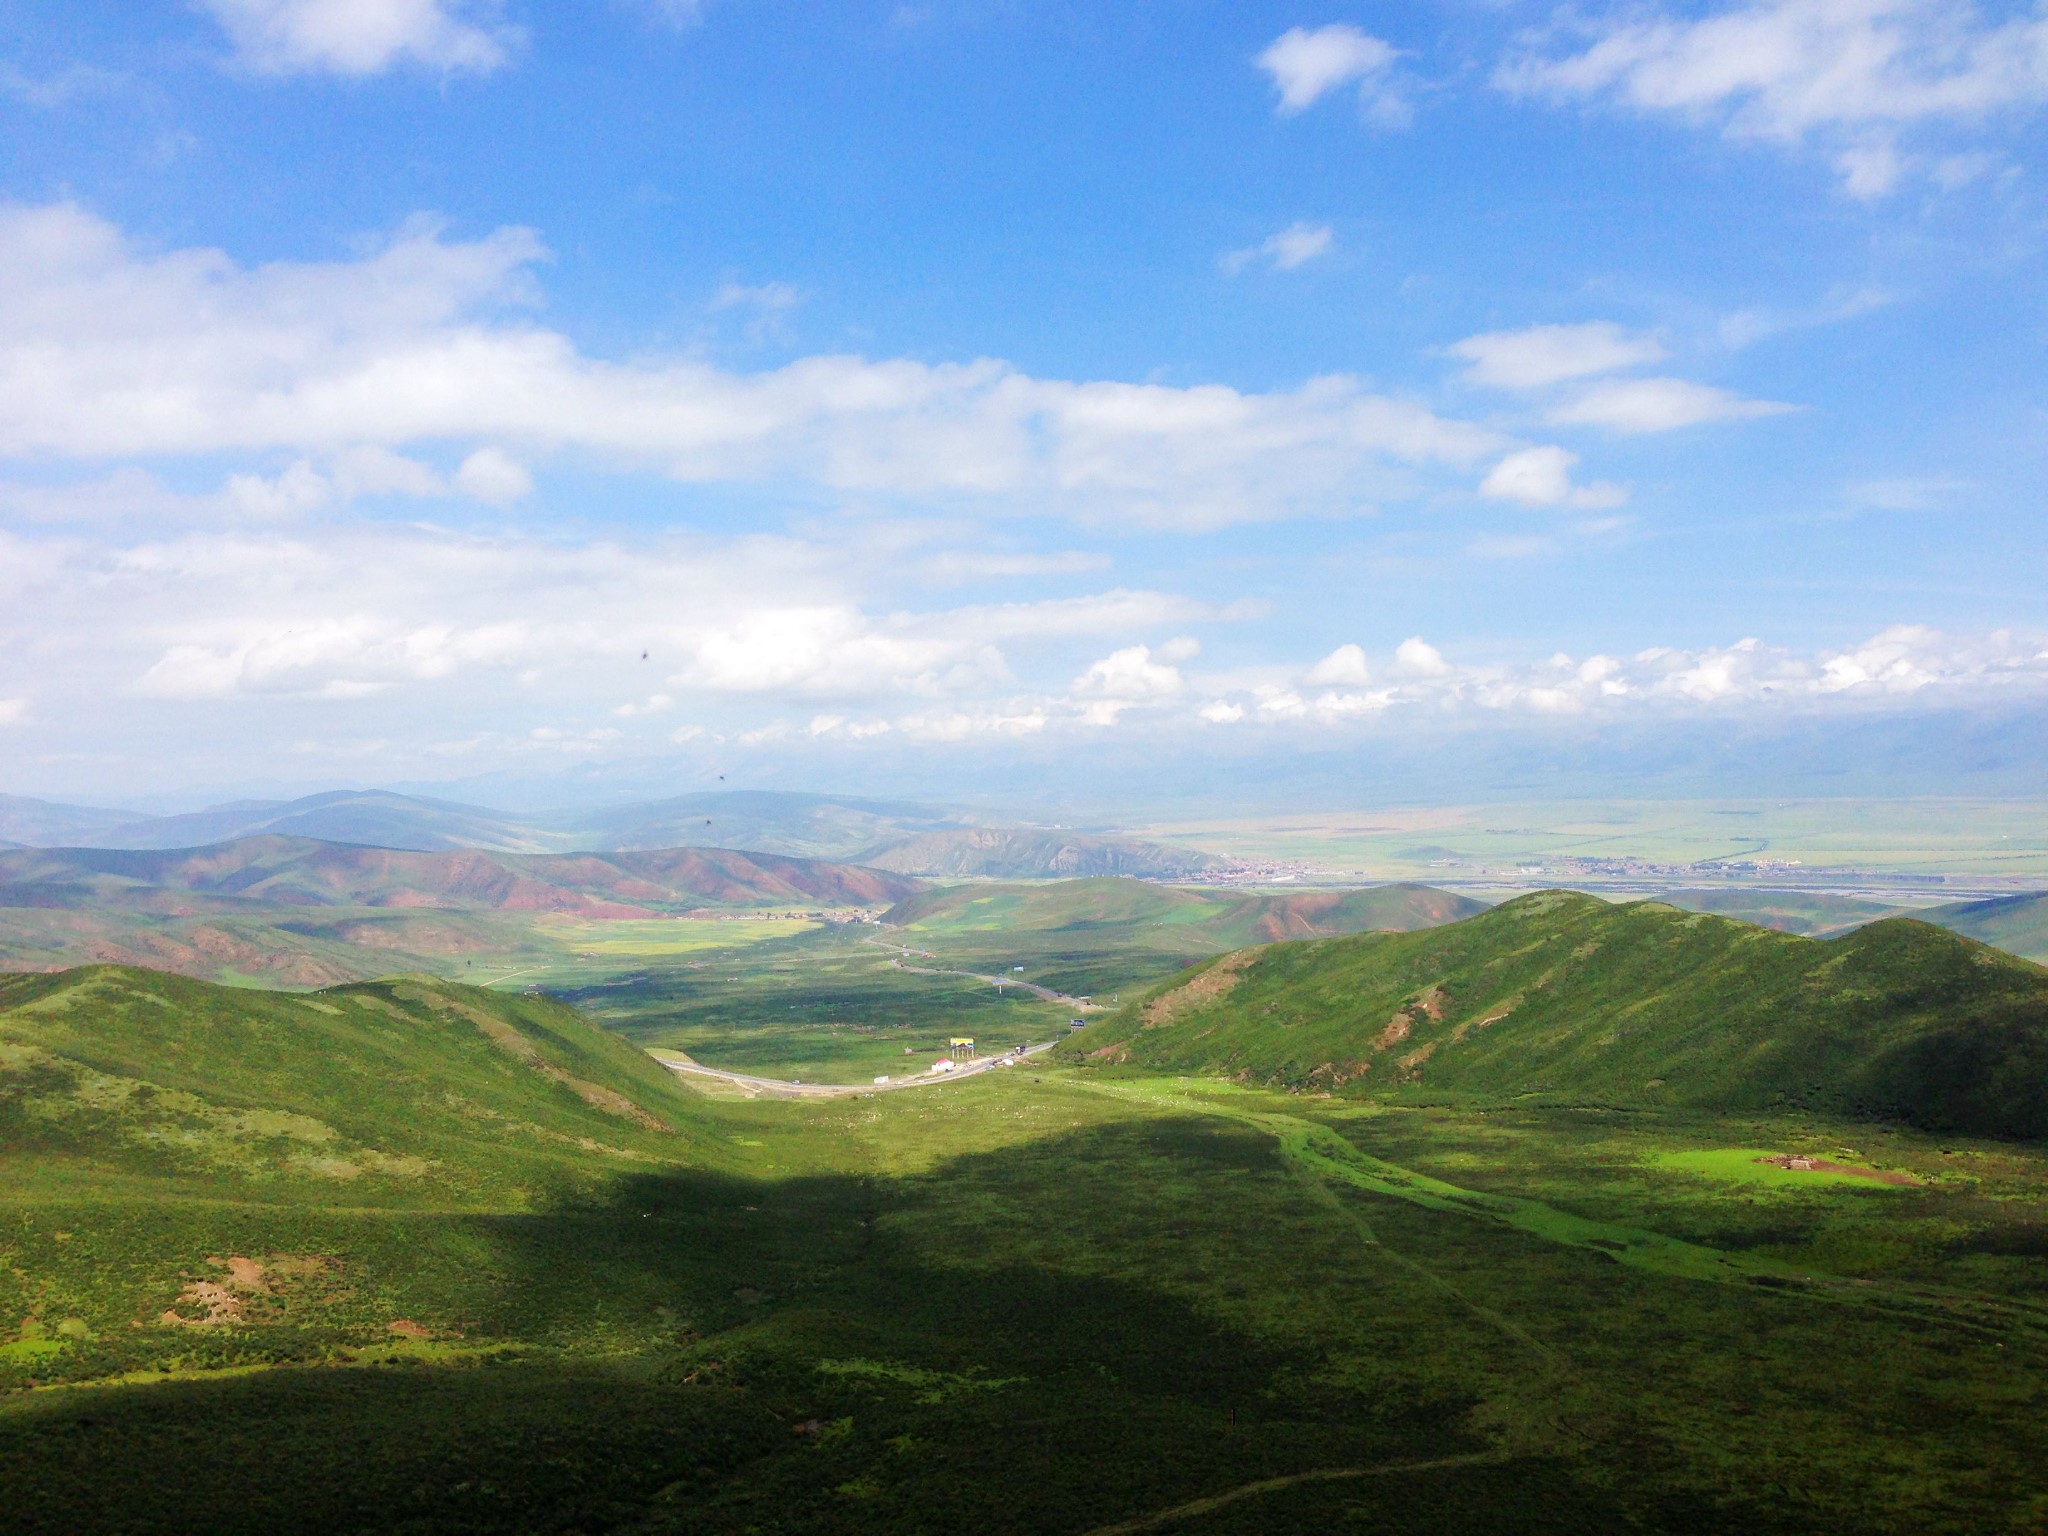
pixel 778 1088
pixel 1045 993
pixel 775 1087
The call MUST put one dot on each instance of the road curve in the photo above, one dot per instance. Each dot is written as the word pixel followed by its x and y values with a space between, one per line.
pixel 778 1088
pixel 1045 993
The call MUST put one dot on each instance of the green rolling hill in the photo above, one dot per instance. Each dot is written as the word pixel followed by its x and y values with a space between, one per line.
pixel 406 1088
pixel 1091 936
pixel 1557 996
pixel 2017 923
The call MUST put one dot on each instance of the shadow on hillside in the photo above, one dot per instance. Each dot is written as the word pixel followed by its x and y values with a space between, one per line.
pixel 1004 1344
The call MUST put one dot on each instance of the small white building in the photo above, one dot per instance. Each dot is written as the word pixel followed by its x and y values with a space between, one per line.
pixel 941 1065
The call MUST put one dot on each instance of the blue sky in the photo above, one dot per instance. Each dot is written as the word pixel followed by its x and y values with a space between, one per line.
pixel 964 382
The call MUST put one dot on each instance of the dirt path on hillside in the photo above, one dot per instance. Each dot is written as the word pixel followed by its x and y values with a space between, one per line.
pixel 1216 1501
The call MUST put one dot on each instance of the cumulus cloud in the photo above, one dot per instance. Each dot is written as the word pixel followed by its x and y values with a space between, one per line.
pixel 1306 65
pixel 494 476
pixel 107 352
pixel 1549 354
pixel 1129 678
pixel 1635 406
pixel 1295 246
pixel 1416 657
pixel 1849 74
pixel 1542 477
pixel 357 37
pixel 1345 667
pixel 1895 668
pixel 433 632
pixel 1544 357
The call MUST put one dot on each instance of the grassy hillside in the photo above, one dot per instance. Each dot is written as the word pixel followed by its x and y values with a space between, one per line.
pixel 1816 914
pixel 2016 923
pixel 1093 936
pixel 415 1258
pixel 1560 996
pixel 380 1090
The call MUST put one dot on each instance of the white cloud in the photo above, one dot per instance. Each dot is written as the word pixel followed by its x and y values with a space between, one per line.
pixel 1305 65
pixel 1746 327
pixel 1891 669
pixel 13 711
pixel 653 704
pixel 1416 657
pixel 107 352
pixel 953 567
pixel 357 37
pixel 1541 477
pixel 1548 354
pixel 1850 73
pixel 406 644
pixel 1130 674
pixel 1345 667
pixel 761 296
pixel 494 476
pixel 1295 246
pixel 1635 406
pixel 489 475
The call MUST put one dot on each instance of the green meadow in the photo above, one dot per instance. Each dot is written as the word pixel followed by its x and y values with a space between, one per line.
pixel 419 1256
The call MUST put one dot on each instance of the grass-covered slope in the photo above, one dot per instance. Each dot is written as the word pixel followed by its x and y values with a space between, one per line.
pixel 1229 918
pixel 382 1089
pixel 1092 936
pixel 2017 923
pixel 1562 996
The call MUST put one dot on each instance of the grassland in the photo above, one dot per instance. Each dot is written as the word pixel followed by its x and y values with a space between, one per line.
pixel 412 1256
pixel 1039 1302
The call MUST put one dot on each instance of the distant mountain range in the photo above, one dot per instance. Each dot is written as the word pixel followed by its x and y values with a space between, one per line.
pixel 898 836
pixel 295 911
pixel 273 871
